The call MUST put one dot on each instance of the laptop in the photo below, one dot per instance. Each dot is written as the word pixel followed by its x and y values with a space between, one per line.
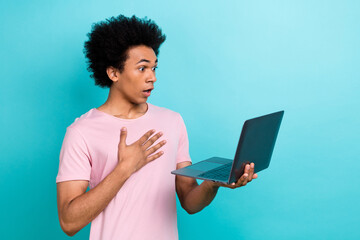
pixel 256 144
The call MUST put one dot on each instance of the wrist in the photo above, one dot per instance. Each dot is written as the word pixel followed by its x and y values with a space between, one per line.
pixel 212 185
pixel 123 171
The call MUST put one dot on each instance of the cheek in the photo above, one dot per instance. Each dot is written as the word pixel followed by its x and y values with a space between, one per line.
pixel 126 84
pixel 131 83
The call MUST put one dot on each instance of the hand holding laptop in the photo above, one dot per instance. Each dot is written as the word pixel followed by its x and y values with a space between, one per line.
pixel 256 144
pixel 247 177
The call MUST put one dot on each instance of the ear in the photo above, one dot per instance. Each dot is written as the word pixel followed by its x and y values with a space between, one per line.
pixel 113 73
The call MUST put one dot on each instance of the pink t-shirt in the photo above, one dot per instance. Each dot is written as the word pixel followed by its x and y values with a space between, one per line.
pixel 145 207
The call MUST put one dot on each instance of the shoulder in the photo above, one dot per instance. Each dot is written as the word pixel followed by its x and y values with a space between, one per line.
pixel 164 112
pixel 84 120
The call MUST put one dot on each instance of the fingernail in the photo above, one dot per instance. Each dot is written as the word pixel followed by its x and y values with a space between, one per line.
pixel 123 129
pixel 164 141
pixel 160 133
pixel 246 175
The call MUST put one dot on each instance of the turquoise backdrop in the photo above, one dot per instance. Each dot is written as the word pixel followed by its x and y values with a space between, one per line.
pixel 223 62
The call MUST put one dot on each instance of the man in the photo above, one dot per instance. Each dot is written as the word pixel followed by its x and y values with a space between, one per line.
pixel 126 148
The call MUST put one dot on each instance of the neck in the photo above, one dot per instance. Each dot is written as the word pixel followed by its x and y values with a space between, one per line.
pixel 121 107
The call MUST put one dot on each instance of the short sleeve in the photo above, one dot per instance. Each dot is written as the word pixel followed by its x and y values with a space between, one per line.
pixel 75 161
pixel 183 147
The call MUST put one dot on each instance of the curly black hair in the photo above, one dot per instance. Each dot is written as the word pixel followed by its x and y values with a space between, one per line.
pixel 110 40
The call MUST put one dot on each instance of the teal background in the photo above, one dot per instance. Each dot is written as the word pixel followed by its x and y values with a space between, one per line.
pixel 223 62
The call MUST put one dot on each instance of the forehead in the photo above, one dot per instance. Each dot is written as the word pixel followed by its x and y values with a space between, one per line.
pixel 138 53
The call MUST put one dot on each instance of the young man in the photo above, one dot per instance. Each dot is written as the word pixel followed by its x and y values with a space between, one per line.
pixel 126 148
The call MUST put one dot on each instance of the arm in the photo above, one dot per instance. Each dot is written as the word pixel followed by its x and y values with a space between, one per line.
pixel 194 197
pixel 77 207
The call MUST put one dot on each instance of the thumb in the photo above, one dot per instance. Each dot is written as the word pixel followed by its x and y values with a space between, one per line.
pixel 123 134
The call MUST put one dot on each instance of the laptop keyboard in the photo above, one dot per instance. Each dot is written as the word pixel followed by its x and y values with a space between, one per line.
pixel 221 172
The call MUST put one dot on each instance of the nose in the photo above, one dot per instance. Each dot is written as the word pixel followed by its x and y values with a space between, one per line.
pixel 151 77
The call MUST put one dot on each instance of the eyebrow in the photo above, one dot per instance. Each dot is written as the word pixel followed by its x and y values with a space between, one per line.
pixel 145 60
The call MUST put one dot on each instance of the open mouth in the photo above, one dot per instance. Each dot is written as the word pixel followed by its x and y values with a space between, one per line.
pixel 147 92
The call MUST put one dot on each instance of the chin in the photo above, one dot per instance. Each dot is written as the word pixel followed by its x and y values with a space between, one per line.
pixel 139 102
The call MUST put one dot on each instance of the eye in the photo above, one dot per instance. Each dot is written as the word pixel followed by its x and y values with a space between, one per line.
pixel 141 69
pixel 154 68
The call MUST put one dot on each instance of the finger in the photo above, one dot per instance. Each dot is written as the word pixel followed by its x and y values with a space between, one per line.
pixel 246 172
pixel 247 169
pixel 152 140
pixel 251 172
pixel 155 148
pixel 243 179
pixel 255 176
pixel 146 136
pixel 154 156
pixel 232 186
pixel 123 134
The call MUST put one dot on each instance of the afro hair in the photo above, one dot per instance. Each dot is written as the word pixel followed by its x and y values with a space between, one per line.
pixel 110 40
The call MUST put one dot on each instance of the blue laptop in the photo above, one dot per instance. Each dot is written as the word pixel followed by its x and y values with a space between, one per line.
pixel 256 144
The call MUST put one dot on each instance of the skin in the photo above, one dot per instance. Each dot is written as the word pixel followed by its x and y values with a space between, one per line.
pixel 194 197
pixel 78 207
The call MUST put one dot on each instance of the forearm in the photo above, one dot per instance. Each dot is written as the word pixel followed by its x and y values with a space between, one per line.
pixel 200 197
pixel 83 209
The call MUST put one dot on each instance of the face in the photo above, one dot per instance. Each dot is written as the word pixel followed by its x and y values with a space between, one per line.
pixel 137 79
